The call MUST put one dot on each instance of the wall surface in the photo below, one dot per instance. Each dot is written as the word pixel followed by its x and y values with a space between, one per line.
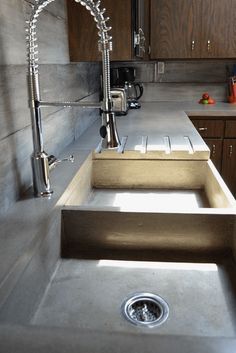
pixel 182 80
pixel 60 80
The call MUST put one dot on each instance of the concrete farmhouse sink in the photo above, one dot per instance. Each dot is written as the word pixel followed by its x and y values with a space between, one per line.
pixel 135 226
pixel 125 207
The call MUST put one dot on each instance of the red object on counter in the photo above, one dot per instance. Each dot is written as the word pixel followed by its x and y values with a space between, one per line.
pixel 232 89
pixel 231 99
pixel 206 99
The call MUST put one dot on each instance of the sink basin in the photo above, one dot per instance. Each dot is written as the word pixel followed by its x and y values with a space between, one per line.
pixel 165 231
pixel 138 209
pixel 138 226
pixel 88 295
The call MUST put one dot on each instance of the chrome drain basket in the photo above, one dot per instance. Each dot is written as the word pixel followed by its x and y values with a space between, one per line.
pixel 145 309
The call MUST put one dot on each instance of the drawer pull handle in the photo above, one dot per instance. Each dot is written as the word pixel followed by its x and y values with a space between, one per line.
pixel 208 45
pixel 213 152
pixel 230 150
pixel 193 45
pixel 202 128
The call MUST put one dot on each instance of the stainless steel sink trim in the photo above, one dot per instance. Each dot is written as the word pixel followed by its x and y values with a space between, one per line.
pixel 145 309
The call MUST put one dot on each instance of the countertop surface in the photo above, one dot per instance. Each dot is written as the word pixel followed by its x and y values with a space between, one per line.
pixel 22 228
pixel 163 130
pixel 159 131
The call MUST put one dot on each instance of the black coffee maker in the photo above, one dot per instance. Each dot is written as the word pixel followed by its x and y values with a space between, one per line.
pixel 124 77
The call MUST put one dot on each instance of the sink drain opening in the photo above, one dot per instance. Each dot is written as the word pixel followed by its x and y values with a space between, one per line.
pixel 145 309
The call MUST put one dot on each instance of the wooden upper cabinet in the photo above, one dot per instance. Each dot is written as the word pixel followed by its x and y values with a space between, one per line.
pixel 218 29
pixel 175 29
pixel 83 33
pixel 182 29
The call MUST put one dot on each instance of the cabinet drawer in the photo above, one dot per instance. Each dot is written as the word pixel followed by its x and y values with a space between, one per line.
pixel 230 128
pixel 209 128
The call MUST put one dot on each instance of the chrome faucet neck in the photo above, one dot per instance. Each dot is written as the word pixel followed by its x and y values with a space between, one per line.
pixel 110 139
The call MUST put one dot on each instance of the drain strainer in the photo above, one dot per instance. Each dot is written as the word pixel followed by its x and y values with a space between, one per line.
pixel 145 309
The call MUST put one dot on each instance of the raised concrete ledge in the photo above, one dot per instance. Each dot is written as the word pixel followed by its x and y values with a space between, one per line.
pixel 30 245
pixel 41 340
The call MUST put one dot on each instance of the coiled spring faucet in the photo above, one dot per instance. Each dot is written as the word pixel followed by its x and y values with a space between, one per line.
pixel 108 131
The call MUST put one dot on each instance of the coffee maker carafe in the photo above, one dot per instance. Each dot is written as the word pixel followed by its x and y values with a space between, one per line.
pixel 125 77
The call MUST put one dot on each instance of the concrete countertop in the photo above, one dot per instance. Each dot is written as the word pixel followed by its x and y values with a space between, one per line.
pixel 23 230
pixel 41 340
pixel 220 109
pixel 163 130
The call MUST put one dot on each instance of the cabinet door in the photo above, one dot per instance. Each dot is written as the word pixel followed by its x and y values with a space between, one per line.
pixel 141 15
pixel 209 128
pixel 83 33
pixel 229 164
pixel 215 146
pixel 218 29
pixel 230 128
pixel 175 29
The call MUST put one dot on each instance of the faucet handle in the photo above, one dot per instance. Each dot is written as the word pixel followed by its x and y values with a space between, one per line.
pixel 53 161
pixel 69 159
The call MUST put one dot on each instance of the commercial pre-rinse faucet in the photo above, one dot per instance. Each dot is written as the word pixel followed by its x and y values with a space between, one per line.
pixel 108 131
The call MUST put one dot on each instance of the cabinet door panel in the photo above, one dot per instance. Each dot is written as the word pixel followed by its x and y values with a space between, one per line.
pixel 175 26
pixel 229 164
pixel 219 29
pixel 230 128
pixel 83 33
pixel 141 14
pixel 215 146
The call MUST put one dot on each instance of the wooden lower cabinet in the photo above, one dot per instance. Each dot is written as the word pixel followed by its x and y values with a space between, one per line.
pixel 229 164
pixel 210 128
pixel 215 146
pixel 220 136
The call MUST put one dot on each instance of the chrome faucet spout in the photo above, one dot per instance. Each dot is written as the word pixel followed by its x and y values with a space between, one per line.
pixel 110 139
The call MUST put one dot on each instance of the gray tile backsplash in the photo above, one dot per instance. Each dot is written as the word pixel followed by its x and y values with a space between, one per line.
pixel 202 71
pixel 178 92
pixel 59 80
pixel 182 80
pixel 194 71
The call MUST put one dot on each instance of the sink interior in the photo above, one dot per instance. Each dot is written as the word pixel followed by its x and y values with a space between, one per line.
pixel 143 237
pixel 162 227
pixel 149 185
pixel 134 207
pixel 147 199
pixel 88 294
